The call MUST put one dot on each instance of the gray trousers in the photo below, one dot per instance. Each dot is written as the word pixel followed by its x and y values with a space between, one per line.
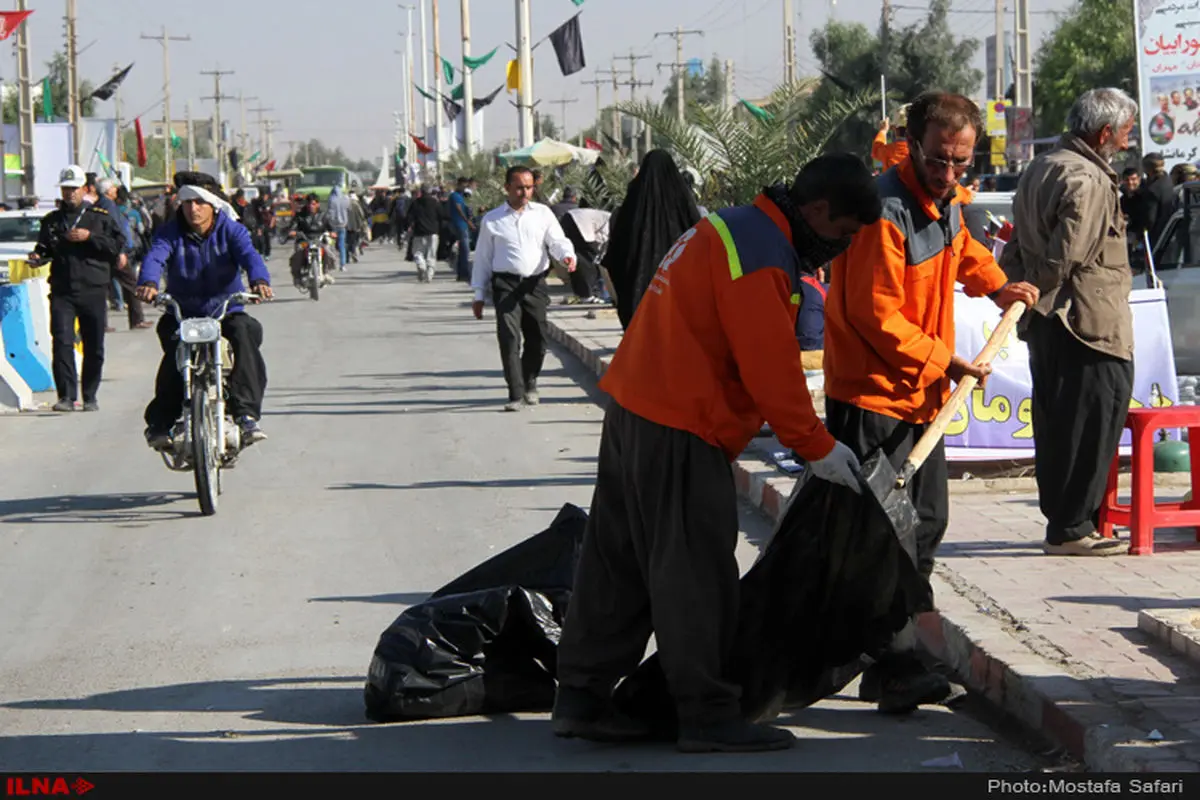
pixel 424 248
pixel 658 555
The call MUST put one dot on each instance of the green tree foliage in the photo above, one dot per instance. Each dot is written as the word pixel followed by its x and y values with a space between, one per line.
pixel 153 170
pixel 1091 47
pixel 707 89
pixel 317 153
pixel 919 57
pixel 56 70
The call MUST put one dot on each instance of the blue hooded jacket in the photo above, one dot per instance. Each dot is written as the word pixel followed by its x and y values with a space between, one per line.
pixel 201 273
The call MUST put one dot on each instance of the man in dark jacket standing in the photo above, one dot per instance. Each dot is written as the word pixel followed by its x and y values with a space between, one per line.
pixel 425 219
pixel 82 243
pixel 1156 198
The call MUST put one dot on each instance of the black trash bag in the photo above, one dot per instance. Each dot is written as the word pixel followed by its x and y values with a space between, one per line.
pixel 832 584
pixel 487 642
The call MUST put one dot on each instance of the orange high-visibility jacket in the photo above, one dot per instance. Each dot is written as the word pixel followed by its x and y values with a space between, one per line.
pixel 889 314
pixel 712 348
pixel 889 155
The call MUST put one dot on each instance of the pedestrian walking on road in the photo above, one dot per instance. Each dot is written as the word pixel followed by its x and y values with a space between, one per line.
pixel 889 344
pixel 516 241
pixel 460 220
pixel 657 210
pixel 82 243
pixel 339 218
pixel 1069 241
pixel 711 353
pixel 424 220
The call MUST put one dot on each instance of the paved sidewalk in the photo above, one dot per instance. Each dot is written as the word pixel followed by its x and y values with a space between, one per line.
pixel 1053 641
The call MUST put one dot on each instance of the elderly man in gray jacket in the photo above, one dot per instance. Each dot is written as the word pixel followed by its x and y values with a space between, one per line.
pixel 1069 241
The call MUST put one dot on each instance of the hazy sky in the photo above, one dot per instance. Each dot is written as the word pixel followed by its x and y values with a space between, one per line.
pixel 330 70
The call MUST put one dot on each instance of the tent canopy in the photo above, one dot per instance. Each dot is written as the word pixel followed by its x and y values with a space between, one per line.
pixel 548 153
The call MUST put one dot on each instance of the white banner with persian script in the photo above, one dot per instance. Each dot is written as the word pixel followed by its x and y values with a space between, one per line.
pixel 1168 56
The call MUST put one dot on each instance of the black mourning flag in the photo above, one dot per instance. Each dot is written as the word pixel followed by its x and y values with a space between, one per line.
pixel 483 102
pixel 109 87
pixel 568 46
pixel 451 108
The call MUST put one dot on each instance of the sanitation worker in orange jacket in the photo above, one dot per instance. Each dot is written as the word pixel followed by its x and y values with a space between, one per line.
pixel 889 341
pixel 889 155
pixel 709 354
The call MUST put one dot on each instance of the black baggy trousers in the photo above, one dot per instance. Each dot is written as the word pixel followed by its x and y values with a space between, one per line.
pixel 864 432
pixel 247 381
pixel 91 309
pixel 521 305
pixel 1080 400
pixel 658 555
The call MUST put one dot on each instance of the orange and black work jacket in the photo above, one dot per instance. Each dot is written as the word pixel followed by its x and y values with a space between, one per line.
pixel 889 155
pixel 889 314
pixel 712 348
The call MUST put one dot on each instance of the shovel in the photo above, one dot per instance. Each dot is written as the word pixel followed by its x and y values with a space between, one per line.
pixel 880 478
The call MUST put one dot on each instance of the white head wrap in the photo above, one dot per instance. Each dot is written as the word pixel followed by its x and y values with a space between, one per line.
pixel 190 192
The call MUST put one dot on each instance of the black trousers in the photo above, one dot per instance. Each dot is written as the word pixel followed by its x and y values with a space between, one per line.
pixel 658 555
pixel 1080 400
pixel 247 381
pixel 864 432
pixel 521 305
pixel 585 280
pixel 91 309
pixel 133 306
pixel 264 240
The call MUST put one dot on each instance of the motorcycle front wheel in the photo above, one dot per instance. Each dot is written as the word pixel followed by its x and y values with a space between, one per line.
pixel 205 464
pixel 314 281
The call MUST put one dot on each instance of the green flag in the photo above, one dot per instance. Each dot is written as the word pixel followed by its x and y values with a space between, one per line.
pixel 476 63
pixel 577 2
pixel 47 101
pixel 762 114
pixel 457 92
pixel 426 94
pixel 448 70
pixel 255 157
pixel 176 142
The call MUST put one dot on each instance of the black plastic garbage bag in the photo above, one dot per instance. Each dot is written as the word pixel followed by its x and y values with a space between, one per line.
pixel 832 584
pixel 487 642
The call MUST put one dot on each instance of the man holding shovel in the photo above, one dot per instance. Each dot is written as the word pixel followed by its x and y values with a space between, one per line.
pixel 889 342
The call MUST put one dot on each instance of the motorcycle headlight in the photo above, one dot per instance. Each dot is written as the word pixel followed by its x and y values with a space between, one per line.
pixel 199 331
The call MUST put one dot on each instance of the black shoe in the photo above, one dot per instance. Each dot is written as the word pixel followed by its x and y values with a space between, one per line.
pixel 63 406
pixel 735 736
pixel 904 692
pixel 91 405
pixel 159 439
pixel 580 714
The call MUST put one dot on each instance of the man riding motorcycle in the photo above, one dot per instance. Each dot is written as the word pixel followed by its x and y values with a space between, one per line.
pixel 308 225
pixel 203 250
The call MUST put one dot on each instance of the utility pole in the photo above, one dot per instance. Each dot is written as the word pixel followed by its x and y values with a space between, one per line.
pixel 218 134
pixel 25 101
pixel 117 114
pixel 525 67
pixel 998 55
pixel 728 84
pixel 73 82
pixel 292 160
pixel 424 82
pixel 789 42
pixel 468 98
pixel 678 33
pixel 1024 80
pixel 597 83
pixel 272 125
pixel 616 87
pixel 408 68
pixel 244 137
pixel 633 83
pixel 262 129
pixel 437 83
pixel 165 41
pixel 562 104
pixel 191 133
pixel 406 82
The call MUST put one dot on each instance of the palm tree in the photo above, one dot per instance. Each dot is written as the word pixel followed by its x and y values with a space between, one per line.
pixel 739 151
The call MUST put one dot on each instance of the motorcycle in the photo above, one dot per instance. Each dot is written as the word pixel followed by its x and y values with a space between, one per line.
pixel 205 441
pixel 313 277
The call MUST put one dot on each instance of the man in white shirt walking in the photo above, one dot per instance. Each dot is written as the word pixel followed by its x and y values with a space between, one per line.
pixel 512 256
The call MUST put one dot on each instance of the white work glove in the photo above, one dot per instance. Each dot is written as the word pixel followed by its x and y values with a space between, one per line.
pixel 840 466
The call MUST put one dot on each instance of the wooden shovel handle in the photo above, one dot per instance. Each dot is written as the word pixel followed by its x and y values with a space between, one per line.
pixel 937 428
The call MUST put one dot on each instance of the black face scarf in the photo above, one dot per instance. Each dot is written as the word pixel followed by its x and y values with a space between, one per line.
pixel 812 249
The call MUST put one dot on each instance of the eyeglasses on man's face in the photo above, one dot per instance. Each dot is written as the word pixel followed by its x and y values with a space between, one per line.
pixel 938 165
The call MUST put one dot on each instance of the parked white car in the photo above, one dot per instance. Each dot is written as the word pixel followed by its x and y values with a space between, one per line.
pixel 19 232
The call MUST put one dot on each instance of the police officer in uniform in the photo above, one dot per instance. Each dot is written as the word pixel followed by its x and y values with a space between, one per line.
pixel 82 242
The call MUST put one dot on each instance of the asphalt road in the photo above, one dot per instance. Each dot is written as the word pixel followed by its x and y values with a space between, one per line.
pixel 141 636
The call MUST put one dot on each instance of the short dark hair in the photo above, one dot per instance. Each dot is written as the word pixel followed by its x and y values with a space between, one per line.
pixel 122 196
pixel 516 169
pixel 1128 171
pixel 946 109
pixel 463 179
pixel 842 180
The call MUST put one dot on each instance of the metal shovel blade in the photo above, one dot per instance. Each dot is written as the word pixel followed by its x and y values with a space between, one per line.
pixel 879 478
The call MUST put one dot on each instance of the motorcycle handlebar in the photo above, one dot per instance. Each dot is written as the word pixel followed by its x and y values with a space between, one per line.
pixel 240 297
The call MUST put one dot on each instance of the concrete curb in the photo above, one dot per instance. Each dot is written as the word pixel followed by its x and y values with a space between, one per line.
pixel 1046 690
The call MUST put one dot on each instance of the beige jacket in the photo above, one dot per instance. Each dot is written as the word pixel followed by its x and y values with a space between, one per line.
pixel 1069 241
